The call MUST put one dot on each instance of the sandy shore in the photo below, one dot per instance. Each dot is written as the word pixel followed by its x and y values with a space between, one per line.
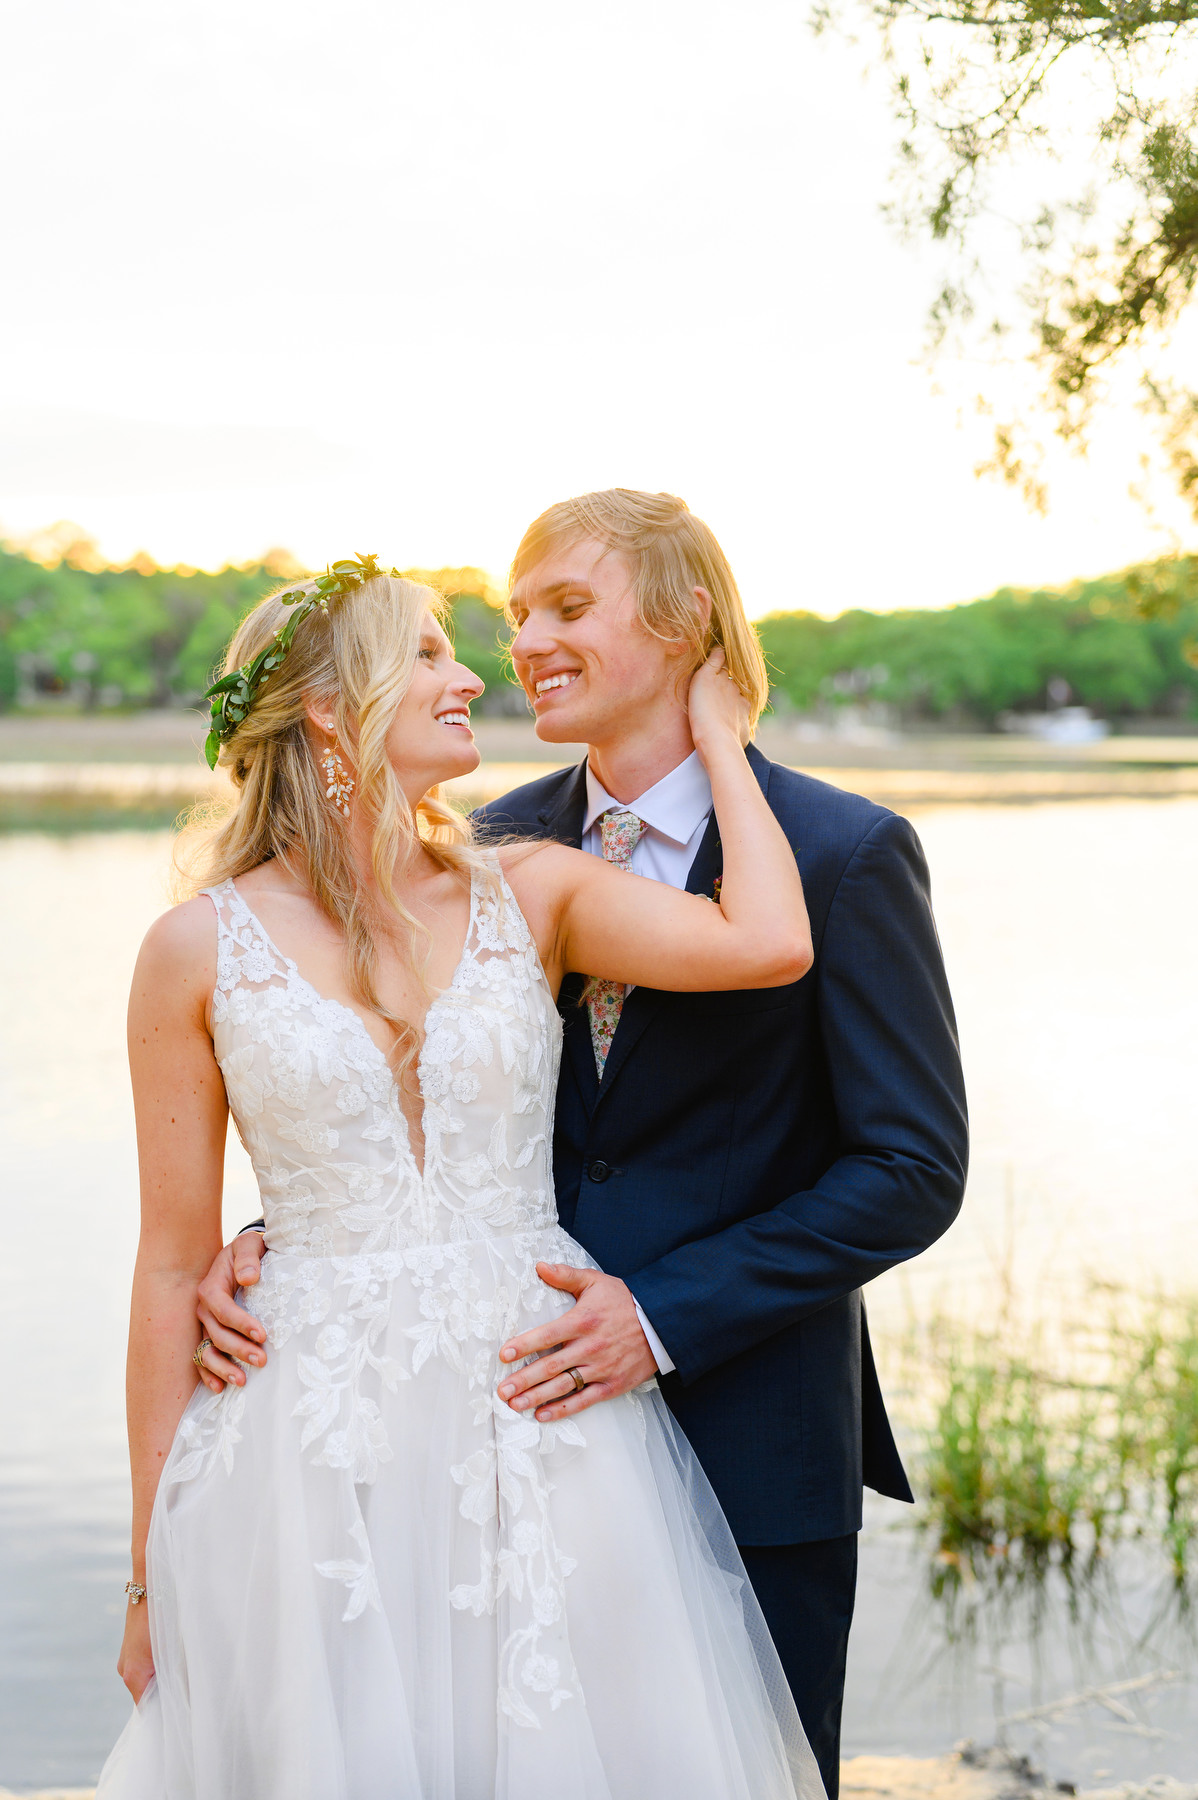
pixel 973 1774
pixel 968 1774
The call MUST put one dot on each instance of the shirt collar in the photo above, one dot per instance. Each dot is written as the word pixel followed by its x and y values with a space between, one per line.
pixel 675 806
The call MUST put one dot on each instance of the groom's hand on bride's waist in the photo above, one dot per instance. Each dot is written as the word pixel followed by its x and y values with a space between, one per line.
pixel 601 1337
pixel 235 1335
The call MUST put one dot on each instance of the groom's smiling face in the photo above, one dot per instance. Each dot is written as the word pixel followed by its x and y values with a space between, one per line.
pixel 587 664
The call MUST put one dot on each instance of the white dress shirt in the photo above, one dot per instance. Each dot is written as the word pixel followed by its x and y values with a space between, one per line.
pixel 675 811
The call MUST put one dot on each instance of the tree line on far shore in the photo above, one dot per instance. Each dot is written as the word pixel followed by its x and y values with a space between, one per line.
pixel 1124 645
pixel 77 632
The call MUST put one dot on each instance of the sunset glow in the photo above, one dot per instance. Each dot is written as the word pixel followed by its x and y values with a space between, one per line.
pixel 395 278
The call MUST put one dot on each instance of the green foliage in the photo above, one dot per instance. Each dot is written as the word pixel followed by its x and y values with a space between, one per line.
pixel 480 633
pixel 1122 643
pixel 1103 259
pixel 1036 1458
pixel 1127 644
pixel 143 636
pixel 232 695
pixel 137 636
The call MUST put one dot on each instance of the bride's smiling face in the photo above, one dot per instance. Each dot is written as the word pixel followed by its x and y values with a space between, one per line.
pixel 430 739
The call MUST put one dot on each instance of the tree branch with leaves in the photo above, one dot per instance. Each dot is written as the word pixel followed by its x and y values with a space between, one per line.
pixel 1074 126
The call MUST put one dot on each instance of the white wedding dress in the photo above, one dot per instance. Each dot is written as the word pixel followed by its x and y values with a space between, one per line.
pixel 369 1578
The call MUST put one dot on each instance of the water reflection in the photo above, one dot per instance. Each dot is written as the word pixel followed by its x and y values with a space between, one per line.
pixel 1068 933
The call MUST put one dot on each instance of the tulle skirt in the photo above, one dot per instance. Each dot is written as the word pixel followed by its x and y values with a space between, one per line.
pixel 371 1580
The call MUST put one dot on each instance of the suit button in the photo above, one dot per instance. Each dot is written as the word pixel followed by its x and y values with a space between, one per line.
pixel 599 1171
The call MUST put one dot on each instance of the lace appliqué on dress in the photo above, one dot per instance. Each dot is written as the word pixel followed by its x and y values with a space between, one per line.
pixel 349 1215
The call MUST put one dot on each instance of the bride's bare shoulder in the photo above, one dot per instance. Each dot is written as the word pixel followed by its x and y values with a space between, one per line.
pixel 188 932
pixel 537 867
pixel 176 965
pixel 182 939
pixel 544 876
pixel 272 877
pixel 540 855
pixel 175 971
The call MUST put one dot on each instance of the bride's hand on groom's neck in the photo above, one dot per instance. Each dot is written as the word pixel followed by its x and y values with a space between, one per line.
pixel 718 712
pixel 601 1337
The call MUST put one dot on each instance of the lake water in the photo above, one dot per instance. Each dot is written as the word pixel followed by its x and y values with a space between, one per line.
pixel 1069 933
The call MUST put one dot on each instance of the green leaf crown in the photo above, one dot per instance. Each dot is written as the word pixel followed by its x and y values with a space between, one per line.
pixel 234 694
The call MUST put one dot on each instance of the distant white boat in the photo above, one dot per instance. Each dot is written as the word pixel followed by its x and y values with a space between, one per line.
pixel 1067 725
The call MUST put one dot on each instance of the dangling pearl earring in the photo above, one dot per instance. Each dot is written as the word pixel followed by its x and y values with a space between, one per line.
pixel 340 783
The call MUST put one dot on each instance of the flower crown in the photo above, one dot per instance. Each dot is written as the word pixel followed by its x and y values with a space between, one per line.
pixel 234 694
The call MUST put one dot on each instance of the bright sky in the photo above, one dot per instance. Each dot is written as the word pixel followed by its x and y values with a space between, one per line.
pixel 393 276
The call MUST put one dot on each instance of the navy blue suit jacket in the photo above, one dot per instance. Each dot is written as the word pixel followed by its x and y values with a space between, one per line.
pixel 751 1159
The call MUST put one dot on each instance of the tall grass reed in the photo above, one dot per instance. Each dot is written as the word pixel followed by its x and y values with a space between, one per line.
pixel 1043 1448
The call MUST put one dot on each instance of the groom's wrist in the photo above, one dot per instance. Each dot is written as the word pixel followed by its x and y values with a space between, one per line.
pixel 657 1349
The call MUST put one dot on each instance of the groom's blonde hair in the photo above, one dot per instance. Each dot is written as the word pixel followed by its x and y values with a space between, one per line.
pixel 671 552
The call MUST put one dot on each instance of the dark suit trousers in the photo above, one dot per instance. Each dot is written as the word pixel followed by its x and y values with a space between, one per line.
pixel 806 1592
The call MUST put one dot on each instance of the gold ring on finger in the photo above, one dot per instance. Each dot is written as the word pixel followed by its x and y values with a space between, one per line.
pixel 197 1355
pixel 576 1378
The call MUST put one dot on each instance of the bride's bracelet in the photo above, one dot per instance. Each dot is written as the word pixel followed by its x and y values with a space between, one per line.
pixel 135 1591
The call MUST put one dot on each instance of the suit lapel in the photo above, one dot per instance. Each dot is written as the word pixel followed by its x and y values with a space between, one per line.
pixel 562 820
pixel 643 1003
pixel 577 1051
pixel 708 863
pixel 761 766
pixel 638 1009
pixel 709 860
pixel 563 816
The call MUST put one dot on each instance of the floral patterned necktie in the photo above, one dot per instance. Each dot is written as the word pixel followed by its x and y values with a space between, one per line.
pixel 620 832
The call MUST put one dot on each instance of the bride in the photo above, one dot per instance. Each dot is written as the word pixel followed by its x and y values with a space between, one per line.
pixel 361 1575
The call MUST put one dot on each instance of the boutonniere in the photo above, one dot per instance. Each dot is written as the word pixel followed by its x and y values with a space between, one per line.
pixel 716 885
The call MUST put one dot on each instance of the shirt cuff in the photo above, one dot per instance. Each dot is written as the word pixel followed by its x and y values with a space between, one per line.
pixel 660 1354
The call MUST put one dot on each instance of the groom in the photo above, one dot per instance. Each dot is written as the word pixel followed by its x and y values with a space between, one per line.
pixel 739 1164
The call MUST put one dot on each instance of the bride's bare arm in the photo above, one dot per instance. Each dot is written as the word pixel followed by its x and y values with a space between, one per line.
pixel 181 1111
pixel 590 918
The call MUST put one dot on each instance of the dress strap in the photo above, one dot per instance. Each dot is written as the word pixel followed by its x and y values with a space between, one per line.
pixel 244 952
pixel 499 927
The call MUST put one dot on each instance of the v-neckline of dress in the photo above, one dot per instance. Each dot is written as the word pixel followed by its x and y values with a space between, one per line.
pixel 350 1012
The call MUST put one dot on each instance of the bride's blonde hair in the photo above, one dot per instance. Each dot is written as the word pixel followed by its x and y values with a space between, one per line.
pixel 357 659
